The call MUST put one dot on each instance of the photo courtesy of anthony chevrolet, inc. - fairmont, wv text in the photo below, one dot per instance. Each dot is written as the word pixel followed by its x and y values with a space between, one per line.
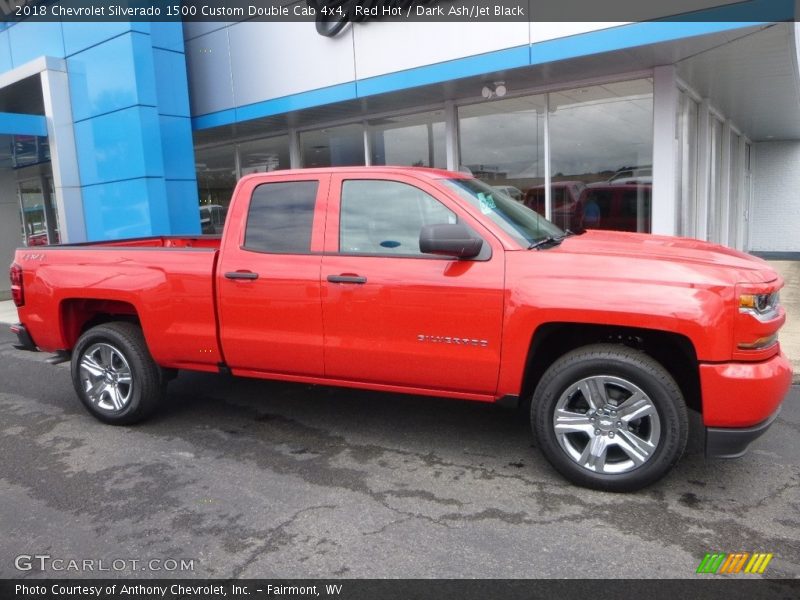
pixel 399 299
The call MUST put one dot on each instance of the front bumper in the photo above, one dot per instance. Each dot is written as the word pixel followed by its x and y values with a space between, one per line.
pixel 741 401
pixel 24 339
pixel 743 394
pixel 722 442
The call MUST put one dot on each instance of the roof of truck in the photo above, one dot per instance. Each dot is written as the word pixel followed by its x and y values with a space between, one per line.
pixel 422 171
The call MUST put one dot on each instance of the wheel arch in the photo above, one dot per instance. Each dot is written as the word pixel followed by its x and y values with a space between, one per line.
pixel 78 315
pixel 675 352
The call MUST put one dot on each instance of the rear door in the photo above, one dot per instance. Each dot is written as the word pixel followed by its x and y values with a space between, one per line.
pixel 268 277
pixel 393 315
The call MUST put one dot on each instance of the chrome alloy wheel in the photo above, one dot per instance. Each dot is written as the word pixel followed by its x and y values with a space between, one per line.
pixel 607 424
pixel 106 377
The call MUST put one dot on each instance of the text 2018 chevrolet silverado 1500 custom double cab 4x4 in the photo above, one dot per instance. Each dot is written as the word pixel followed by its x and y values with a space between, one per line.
pixel 428 282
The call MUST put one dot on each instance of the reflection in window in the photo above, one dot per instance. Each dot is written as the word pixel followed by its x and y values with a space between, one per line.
pixel 714 179
pixel 734 195
pixel 412 140
pixel 502 143
pixel 281 216
pixel 333 147
pixel 601 156
pixel 39 218
pixel 263 156
pixel 216 175
pixel 686 162
pixel 386 217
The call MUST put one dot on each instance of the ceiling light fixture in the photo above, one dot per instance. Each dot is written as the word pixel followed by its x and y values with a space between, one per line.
pixel 498 88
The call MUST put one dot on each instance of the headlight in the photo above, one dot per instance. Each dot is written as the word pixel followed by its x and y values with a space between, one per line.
pixel 762 306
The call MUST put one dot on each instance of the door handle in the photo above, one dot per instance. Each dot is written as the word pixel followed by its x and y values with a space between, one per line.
pixel 241 275
pixel 347 279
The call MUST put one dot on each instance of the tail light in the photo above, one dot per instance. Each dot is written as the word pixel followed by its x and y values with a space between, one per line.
pixel 17 290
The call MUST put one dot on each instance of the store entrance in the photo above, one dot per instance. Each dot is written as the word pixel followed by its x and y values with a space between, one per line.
pixel 37 206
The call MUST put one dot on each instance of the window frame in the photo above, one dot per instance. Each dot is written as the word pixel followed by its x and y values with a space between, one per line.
pixel 314 211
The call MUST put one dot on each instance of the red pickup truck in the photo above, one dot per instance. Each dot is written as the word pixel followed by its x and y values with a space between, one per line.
pixel 428 282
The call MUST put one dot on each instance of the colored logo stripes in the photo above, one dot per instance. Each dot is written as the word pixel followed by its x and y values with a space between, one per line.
pixel 737 562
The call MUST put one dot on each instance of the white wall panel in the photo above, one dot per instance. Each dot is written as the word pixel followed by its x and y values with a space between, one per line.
pixel 541 32
pixel 383 47
pixel 271 60
pixel 775 214
pixel 209 67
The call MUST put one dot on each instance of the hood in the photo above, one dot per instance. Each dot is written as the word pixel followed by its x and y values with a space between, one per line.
pixel 653 257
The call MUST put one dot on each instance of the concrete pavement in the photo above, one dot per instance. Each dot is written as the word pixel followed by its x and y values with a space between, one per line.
pixel 790 297
pixel 251 478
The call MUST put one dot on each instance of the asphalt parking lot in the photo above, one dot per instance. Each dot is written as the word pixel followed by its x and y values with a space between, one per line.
pixel 259 479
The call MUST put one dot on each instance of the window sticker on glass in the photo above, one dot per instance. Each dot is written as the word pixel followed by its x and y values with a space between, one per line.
pixel 486 203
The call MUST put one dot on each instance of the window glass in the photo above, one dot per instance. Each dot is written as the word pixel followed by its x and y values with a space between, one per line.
pixel 686 162
pixel 601 138
pixel 502 144
pixel 386 217
pixel 714 174
pixel 411 140
pixel 263 156
pixel 216 175
pixel 333 147
pixel 520 222
pixel 281 216
pixel 735 173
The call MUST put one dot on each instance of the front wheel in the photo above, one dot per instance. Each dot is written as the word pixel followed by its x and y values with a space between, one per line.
pixel 609 417
pixel 114 375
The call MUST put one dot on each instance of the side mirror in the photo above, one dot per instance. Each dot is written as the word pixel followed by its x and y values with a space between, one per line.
pixel 449 240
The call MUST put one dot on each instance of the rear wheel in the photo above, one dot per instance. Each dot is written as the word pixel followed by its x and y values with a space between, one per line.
pixel 609 417
pixel 114 375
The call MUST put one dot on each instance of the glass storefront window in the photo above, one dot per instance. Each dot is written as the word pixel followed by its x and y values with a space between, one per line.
pixel 601 156
pixel 686 164
pixel 216 175
pixel 333 147
pixel 502 143
pixel 412 140
pixel 29 150
pixel 735 174
pixel 714 178
pixel 39 220
pixel 263 156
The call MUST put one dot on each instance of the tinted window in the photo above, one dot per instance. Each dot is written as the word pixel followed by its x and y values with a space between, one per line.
pixel 385 217
pixel 281 217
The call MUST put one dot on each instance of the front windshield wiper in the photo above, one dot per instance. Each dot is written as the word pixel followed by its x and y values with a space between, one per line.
pixel 551 240
pixel 547 242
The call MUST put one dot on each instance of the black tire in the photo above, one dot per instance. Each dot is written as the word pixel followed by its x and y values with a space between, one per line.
pixel 101 362
pixel 622 453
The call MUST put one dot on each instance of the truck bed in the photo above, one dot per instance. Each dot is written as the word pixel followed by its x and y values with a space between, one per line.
pixel 167 283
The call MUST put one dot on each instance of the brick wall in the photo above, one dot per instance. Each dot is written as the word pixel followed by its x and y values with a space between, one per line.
pixel 775 214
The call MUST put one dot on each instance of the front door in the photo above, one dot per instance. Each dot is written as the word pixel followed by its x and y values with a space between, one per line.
pixel 395 316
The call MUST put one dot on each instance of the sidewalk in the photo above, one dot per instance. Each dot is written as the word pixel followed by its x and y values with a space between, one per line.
pixel 790 298
pixel 8 313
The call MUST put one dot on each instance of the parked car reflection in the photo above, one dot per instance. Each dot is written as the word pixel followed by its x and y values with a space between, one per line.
pixel 212 218
pixel 602 205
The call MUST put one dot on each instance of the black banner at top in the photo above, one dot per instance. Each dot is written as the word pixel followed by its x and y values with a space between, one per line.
pixel 332 15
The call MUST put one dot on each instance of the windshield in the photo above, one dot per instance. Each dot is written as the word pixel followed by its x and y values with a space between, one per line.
pixel 520 222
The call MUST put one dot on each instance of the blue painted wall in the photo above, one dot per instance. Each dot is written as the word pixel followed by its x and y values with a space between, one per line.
pixel 130 107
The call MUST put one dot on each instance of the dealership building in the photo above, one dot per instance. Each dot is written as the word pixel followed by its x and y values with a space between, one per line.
pixel 123 129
